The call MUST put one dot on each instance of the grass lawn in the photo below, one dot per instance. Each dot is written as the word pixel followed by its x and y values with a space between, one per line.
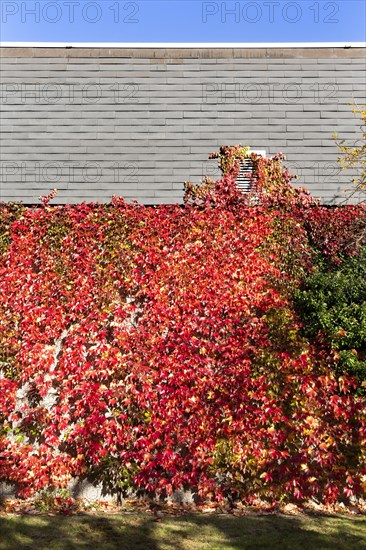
pixel 131 531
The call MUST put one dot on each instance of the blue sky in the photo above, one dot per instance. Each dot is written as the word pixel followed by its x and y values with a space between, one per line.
pixel 183 21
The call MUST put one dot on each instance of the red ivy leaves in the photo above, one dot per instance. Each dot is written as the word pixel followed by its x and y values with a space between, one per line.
pixel 157 348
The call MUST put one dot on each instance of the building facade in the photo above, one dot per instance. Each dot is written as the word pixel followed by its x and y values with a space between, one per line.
pixel 137 122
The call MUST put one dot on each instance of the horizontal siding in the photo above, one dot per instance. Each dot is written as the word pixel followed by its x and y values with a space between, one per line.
pixel 94 123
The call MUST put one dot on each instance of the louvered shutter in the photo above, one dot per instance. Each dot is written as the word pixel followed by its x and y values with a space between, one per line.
pixel 243 180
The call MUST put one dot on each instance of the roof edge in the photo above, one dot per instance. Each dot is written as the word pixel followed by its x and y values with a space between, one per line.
pixel 181 45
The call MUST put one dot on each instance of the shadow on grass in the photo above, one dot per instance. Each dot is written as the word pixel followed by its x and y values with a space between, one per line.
pixel 188 532
pixel 76 532
pixel 310 532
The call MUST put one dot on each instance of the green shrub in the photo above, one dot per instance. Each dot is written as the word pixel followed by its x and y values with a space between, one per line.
pixel 332 308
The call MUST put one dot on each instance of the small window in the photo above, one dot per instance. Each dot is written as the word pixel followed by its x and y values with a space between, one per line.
pixel 246 170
